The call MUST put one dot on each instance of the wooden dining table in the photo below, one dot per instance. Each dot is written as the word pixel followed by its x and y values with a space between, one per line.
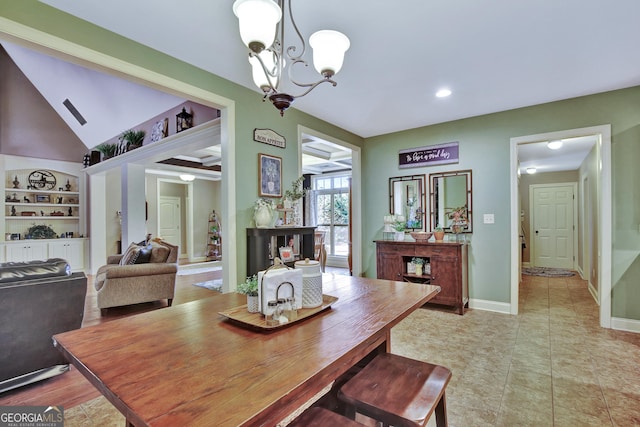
pixel 187 365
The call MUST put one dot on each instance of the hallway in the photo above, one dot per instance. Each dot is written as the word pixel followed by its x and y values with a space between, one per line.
pixel 552 365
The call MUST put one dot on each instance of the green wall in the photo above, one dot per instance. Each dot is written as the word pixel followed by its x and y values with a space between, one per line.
pixel 484 148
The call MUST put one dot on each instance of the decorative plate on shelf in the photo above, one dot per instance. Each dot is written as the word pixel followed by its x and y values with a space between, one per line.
pixel 42 180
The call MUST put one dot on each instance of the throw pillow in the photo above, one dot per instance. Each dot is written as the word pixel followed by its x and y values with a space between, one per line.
pixel 144 255
pixel 130 255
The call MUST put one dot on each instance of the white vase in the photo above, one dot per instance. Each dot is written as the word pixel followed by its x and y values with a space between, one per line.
pixel 252 304
pixel 262 217
pixel 399 236
pixel 418 269
pixel 287 203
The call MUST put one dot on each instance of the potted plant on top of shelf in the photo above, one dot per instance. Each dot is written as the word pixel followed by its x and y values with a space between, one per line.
pixel 250 288
pixel 108 150
pixel 132 138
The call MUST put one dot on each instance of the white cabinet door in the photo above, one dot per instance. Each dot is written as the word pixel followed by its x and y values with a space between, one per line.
pixel 27 250
pixel 71 251
pixel 15 253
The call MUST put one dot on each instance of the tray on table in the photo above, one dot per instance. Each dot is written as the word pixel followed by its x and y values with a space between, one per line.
pixel 257 321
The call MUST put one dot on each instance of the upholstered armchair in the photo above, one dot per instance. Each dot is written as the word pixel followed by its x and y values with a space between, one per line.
pixel 141 274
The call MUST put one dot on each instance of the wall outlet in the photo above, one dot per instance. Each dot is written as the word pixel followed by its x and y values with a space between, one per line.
pixel 489 219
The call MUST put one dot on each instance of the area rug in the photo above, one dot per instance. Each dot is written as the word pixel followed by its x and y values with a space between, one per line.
pixel 184 271
pixel 547 272
pixel 212 285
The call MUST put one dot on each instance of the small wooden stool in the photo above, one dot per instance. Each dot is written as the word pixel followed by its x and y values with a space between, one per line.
pixel 398 391
pixel 320 417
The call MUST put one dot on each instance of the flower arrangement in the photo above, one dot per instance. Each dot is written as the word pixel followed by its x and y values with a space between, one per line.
pixel 399 226
pixel 458 217
pixel 249 286
pixel 264 203
pixel 417 261
pixel 41 232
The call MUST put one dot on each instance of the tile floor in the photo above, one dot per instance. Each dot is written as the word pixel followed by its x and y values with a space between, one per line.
pixel 551 365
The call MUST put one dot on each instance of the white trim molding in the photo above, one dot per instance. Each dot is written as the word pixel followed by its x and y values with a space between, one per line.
pixel 628 325
pixel 486 305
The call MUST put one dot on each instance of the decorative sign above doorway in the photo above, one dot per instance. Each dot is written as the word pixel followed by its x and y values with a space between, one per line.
pixel 269 136
pixel 429 156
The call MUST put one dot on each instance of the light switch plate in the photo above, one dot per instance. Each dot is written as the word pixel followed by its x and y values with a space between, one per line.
pixel 489 219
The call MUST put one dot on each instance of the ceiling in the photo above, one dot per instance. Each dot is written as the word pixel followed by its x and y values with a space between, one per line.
pixel 494 55
pixel 566 158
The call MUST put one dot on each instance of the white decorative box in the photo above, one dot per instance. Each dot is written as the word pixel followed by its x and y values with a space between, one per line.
pixel 269 282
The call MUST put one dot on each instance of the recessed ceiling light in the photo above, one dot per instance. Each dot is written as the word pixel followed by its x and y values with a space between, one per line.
pixel 531 171
pixel 187 177
pixel 443 93
pixel 554 145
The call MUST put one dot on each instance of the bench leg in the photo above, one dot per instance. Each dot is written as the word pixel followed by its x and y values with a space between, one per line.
pixel 441 412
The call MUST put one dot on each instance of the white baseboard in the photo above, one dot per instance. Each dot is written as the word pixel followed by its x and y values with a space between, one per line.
pixel 594 292
pixel 496 306
pixel 629 325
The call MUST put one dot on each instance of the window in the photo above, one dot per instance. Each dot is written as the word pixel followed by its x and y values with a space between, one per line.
pixel 332 212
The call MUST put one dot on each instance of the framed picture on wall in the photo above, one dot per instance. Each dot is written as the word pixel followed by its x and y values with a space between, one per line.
pixel 270 175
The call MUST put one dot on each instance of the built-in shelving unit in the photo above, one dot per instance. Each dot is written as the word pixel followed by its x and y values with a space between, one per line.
pixel 43 216
pixel 41 197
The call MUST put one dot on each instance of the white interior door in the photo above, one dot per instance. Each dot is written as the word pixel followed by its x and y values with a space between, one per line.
pixel 553 227
pixel 169 219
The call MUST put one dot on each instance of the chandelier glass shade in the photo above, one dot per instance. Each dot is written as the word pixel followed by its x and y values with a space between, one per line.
pixel 261 25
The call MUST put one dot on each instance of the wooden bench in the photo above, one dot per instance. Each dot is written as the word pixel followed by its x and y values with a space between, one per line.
pixel 398 391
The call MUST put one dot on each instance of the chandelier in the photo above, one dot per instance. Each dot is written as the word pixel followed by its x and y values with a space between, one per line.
pixel 262 31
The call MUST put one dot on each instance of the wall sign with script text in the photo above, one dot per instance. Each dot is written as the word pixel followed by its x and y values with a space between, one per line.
pixel 429 156
pixel 268 136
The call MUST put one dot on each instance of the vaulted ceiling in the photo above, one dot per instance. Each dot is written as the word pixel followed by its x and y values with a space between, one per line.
pixel 494 55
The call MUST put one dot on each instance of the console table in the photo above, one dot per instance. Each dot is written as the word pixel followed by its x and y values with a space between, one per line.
pixel 448 261
pixel 263 244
